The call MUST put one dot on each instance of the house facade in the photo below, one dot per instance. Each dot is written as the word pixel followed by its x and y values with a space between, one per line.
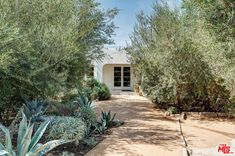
pixel 114 70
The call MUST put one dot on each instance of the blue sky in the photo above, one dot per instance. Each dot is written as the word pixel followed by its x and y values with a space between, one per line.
pixel 126 18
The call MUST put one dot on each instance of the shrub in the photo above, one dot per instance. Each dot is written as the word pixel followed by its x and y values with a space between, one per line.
pixel 90 83
pixel 62 109
pixel 26 143
pixel 173 110
pixel 88 93
pixel 96 90
pixel 67 128
pixel 178 68
pixel 24 71
pixel 69 96
pixel 102 92
pixel 88 115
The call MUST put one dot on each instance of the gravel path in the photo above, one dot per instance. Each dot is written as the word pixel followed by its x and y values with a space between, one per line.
pixel 148 132
pixel 204 137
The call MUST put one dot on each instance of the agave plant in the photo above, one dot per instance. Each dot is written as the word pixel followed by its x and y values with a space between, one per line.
pixel 88 138
pixel 100 127
pixel 27 143
pixel 83 100
pixel 34 110
pixel 106 119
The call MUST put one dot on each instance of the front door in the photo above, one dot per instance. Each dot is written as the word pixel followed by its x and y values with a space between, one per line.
pixel 122 78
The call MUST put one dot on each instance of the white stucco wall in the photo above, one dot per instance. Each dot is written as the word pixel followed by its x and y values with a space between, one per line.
pixel 104 69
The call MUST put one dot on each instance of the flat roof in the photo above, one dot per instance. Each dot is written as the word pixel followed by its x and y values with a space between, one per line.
pixel 114 56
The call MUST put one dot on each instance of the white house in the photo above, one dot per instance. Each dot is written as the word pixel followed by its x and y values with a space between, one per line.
pixel 114 70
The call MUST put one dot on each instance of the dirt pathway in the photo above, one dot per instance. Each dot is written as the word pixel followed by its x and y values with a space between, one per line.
pixel 204 136
pixel 146 132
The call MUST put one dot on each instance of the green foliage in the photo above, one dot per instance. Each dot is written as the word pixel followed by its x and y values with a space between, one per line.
pixel 69 97
pixel 14 126
pixel 91 83
pixel 83 100
pixel 88 131
pixel 87 114
pixel 11 43
pixel 34 110
pixel 96 90
pixel 62 109
pixel 86 111
pixel 100 128
pixel 89 86
pixel 67 128
pixel 102 92
pixel 213 28
pixel 173 110
pixel 106 121
pixel 88 139
pixel 218 13
pixel 46 47
pixel 26 143
pixel 173 53
pixel 117 123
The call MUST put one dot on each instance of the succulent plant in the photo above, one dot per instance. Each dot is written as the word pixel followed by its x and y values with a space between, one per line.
pixel 100 127
pixel 83 100
pixel 34 110
pixel 88 139
pixel 27 143
pixel 107 119
pixel 86 111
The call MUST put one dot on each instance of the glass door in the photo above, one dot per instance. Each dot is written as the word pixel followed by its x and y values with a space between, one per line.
pixel 122 78
pixel 126 77
pixel 117 76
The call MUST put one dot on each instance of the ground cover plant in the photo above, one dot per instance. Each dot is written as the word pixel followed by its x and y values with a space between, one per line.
pixel 66 128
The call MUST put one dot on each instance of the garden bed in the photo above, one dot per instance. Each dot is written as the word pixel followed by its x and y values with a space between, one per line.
pixel 76 150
